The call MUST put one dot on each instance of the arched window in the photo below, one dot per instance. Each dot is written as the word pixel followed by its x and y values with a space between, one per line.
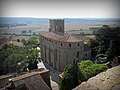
pixel 69 45
pixel 85 54
pixel 61 44
pixel 77 54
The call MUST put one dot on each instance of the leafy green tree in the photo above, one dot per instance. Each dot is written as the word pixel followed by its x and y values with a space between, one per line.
pixel 89 69
pixel 15 59
pixel 107 41
pixel 66 82
pixel 78 72
pixel 5 51
pixel 32 57
pixel 70 77
pixel 85 63
pixel 33 41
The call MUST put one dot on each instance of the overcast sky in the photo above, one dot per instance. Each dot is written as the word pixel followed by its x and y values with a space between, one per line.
pixel 60 8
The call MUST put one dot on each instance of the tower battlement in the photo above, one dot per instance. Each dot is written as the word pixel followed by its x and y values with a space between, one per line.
pixel 56 25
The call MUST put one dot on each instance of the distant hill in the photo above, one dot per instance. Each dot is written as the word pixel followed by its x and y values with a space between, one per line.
pixel 92 20
pixel 67 20
pixel 24 20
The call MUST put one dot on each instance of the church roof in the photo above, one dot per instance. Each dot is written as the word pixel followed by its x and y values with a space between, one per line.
pixel 59 37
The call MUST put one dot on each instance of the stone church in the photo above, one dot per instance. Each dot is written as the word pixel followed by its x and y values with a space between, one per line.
pixel 58 48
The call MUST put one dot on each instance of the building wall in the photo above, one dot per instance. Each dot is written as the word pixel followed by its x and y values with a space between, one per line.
pixel 46 77
pixel 87 55
pixel 59 54
pixel 87 52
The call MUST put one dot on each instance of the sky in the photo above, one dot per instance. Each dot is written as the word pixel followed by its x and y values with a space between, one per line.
pixel 60 8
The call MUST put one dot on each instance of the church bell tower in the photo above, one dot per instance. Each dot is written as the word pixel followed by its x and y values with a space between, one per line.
pixel 56 25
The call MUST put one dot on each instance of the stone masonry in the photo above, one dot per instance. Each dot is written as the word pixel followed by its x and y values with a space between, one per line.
pixel 58 48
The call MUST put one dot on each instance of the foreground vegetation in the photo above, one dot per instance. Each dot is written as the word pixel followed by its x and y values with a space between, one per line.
pixel 107 42
pixel 18 59
pixel 78 72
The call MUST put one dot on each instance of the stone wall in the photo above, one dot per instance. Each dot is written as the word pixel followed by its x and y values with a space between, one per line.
pixel 4 79
pixel 46 77
pixel 59 54
pixel 109 80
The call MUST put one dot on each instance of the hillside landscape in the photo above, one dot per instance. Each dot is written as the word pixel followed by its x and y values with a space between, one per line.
pixel 41 24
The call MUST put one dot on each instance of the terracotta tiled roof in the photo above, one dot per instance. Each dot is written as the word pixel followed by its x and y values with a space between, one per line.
pixel 33 81
pixel 62 38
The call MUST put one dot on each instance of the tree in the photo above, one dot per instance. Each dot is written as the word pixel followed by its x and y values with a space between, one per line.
pixel 10 57
pixel 89 69
pixel 15 59
pixel 11 62
pixel 23 41
pixel 33 41
pixel 107 41
pixel 77 72
pixel 66 82
pixel 5 51
pixel 32 57
pixel 70 77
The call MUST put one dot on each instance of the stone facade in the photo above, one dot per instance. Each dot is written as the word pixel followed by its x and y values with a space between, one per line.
pixel 59 49
pixel 87 51
pixel 59 54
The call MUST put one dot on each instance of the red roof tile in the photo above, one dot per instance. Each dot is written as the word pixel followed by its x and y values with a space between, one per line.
pixel 62 38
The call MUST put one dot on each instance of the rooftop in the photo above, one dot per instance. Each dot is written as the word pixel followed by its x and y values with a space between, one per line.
pixel 61 38
pixel 16 43
pixel 5 76
pixel 33 81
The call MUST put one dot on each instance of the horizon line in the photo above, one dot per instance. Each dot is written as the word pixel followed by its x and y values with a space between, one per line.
pixel 61 17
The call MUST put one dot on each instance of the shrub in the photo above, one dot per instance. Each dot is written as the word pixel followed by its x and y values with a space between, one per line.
pixel 86 63
pixel 76 73
pixel 89 69
pixel 70 77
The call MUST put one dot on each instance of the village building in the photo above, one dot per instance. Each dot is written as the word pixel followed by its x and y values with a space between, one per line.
pixel 4 79
pixel 20 44
pixel 59 48
pixel 32 80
